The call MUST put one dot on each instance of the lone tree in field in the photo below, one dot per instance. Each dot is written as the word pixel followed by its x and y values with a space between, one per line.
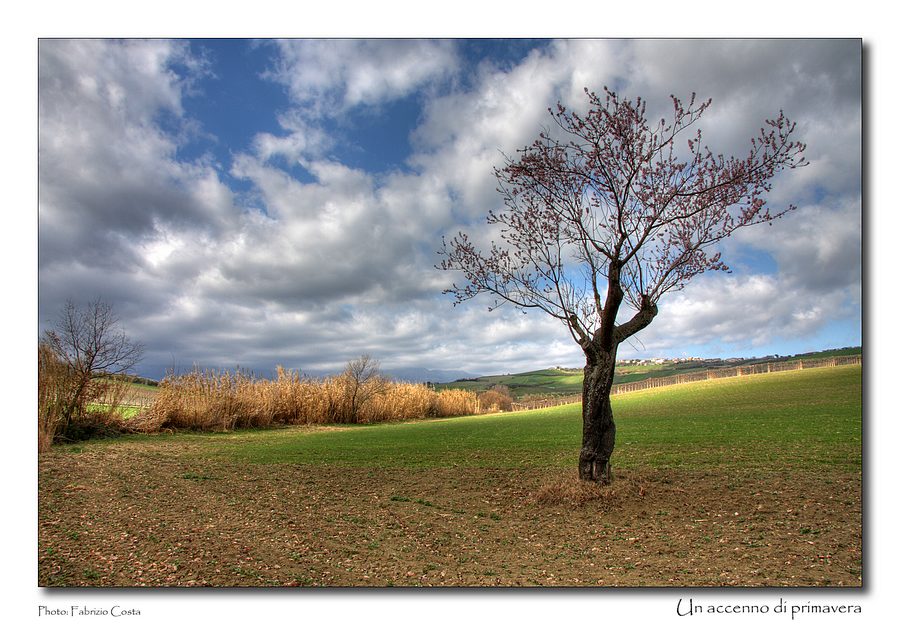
pixel 89 344
pixel 362 382
pixel 615 210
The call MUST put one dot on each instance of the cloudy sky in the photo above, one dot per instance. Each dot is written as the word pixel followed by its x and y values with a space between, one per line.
pixel 256 203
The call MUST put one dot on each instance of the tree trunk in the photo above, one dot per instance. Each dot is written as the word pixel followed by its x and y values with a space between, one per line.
pixel 599 429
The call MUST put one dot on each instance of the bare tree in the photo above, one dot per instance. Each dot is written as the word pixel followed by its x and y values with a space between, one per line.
pixel 362 381
pixel 615 212
pixel 90 344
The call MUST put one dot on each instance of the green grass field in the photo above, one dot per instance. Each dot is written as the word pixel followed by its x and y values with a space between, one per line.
pixel 124 411
pixel 792 419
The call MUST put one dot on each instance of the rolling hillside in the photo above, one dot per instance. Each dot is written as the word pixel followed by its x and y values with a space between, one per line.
pixel 568 381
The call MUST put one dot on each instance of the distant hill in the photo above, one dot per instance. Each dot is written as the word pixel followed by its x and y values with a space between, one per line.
pixel 541 382
pixel 830 353
pixel 568 381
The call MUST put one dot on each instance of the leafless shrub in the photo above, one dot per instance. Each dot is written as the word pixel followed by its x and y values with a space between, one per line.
pixel 361 381
pixel 496 398
pixel 89 344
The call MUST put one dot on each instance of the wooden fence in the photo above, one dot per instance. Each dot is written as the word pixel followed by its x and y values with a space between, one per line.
pixel 701 376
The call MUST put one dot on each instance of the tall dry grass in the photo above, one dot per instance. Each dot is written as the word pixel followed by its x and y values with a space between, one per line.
pixel 224 400
pixel 456 402
pixel 54 384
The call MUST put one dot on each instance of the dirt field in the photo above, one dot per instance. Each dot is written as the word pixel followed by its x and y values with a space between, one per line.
pixel 157 514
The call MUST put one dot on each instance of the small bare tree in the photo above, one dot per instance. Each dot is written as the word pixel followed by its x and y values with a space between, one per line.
pixel 362 381
pixel 90 344
pixel 496 398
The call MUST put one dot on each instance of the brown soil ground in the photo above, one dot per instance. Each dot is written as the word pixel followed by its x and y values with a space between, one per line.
pixel 150 514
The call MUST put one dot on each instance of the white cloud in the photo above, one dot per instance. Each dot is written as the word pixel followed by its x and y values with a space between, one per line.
pixel 108 173
pixel 301 141
pixel 464 134
pixel 818 248
pixel 317 270
pixel 736 313
pixel 816 83
pixel 332 75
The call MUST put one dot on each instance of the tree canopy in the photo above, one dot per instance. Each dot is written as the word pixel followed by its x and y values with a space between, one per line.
pixel 613 203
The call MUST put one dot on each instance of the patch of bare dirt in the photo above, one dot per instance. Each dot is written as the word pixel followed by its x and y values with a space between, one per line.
pixel 149 514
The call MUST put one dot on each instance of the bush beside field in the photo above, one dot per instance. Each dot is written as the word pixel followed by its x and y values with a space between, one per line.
pixel 100 410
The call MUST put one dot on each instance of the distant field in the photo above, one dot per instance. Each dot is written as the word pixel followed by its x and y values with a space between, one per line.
pixel 545 381
pixel 568 381
pixel 752 481
pixel 135 397
pixel 124 411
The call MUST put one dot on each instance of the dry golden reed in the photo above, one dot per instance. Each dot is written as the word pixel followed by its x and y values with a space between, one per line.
pixel 54 380
pixel 225 400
